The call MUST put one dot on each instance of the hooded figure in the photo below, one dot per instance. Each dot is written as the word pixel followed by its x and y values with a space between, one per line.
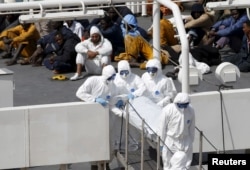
pixel 93 53
pixel 136 43
pixel 98 88
pixel 128 85
pixel 129 26
pixel 176 129
pixel 160 88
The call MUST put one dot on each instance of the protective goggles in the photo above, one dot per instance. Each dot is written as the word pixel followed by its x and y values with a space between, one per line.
pixel 152 69
pixel 122 72
pixel 182 105
pixel 111 77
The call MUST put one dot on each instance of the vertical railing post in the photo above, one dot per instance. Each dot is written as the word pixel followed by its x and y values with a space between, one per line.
pixel 158 153
pixel 142 145
pixel 200 150
pixel 127 132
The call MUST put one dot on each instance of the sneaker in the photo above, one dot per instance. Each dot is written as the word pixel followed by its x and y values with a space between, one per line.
pixel 76 77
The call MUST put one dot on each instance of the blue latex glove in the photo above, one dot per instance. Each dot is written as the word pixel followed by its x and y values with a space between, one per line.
pixel 119 104
pixel 102 101
pixel 131 96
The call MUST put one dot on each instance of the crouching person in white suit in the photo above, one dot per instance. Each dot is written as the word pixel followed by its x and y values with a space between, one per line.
pixel 176 129
pixel 99 89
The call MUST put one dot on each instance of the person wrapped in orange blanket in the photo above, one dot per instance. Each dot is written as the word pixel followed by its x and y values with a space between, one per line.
pixel 136 45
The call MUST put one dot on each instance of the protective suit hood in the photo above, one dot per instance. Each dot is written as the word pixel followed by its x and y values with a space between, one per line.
pixel 182 98
pixel 124 65
pixel 107 72
pixel 95 30
pixel 130 20
pixel 155 63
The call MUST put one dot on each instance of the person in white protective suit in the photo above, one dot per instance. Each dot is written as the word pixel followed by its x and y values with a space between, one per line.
pixel 160 88
pixel 99 89
pixel 178 161
pixel 93 53
pixel 128 85
pixel 176 129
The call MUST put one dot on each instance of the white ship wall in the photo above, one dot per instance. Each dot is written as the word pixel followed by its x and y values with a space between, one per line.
pixel 236 116
pixel 53 134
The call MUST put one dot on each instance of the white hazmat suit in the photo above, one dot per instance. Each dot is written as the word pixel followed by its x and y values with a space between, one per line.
pixel 104 49
pixel 97 86
pixel 177 128
pixel 126 84
pixel 178 161
pixel 160 88
pixel 100 87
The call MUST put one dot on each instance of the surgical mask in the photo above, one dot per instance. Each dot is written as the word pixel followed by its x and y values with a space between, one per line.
pixel 152 71
pixel 182 105
pixel 124 73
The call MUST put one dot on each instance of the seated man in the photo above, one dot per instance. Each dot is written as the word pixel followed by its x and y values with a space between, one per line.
pixel 198 24
pixel 64 59
pixel 136 44
pixel 46 45
pixel 242 59
pixel 115 12
pixel 229 30
pixel 22 38
pixel 113 33
pixel 76 27
pixel 159 88
pixel 94 53
pixel 167 32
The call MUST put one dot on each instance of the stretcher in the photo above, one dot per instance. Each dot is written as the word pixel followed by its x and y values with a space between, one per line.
pixel 142 108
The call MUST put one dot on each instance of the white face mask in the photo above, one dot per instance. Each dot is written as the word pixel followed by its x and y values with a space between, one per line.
pixel 152 75
pixel 124 76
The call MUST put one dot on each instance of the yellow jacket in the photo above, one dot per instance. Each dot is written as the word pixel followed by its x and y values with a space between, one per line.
pixel 167 33
pixel 19 35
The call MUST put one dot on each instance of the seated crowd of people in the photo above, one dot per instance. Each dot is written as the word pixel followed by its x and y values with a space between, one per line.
pixel 71 46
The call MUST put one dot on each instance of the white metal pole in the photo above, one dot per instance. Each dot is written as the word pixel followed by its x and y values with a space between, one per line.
pixel 143 8
pixel 184 42
pixel 156 30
